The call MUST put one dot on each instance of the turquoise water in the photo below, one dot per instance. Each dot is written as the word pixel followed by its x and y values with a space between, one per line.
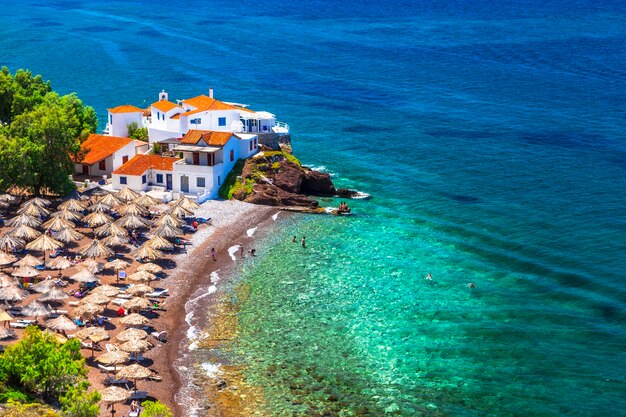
pixel 491 136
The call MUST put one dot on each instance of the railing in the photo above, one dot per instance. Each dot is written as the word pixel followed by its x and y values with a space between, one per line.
pixel 280 127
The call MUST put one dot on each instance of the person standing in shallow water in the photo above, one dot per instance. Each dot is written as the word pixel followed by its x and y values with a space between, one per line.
pixel 294 239
pixel 213 254
pixel 303 242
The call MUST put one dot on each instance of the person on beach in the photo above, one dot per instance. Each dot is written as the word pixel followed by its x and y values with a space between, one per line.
pixel 303 242
pixel 294 239
pixel 252 252
pixel 429 277
pixel 241 251
pixel 213 254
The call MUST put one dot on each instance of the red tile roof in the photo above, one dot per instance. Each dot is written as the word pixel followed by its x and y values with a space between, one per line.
pixel 211 138
pixel 126 108
pixel 204 103
pixel 99 147
pixel 165 105
pixel 141 163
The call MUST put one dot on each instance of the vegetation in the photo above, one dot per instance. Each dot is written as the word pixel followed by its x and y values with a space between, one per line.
pixel 39 366
pixel 155 409
pixel 137 133
pixel 40 132
pixel 156 148
pixel 231 184
pixel 16 409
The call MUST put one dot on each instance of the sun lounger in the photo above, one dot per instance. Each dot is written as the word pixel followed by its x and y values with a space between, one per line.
pixel 119 301
pixel 139 395
pixel 109 380
pixel 160 336
pixel 27 322
pixel 104 368
pixel 155 377
pixel 17 325
pixel 124 296
pixel 162 293
pixel 138 357
pixel 110 347
pixel 73 303
pixel 134 413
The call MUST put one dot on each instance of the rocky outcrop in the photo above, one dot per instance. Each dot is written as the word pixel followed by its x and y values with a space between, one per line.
pixel 317 183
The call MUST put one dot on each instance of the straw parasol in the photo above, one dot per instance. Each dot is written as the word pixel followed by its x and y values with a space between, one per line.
pixel 58 263
pixel 7 259
pixel 58 223
pixel 150 267
pixel 44 243
pixel 97 218
pixel 147 252
pixel 178 211
pixel 115 241
pixel 132 221
pixel 97 333
pixel 139 290
pixel 110 229
pixel 106 290
pixel 43 286
pixel 34 210
pixel 95 250
pixel 136 346
pixel 96 298
pixel 99 206
pixel 23 219
pixel 89 310
pixel 134 371
pixel 7 198
pixel 113 395
pixel 186 203
pixel 25 232
pixel 126 195
pixel 134 319
pixel 115 357
pixel 4 316
pixel 158 242
pixel 84 275
pixel 36 309
pixel 62 324
pixel 135 209
pixel 55 294
pixel 68 235
pixel 137 303
pixel 111 200
pixel 12 293
pixel 67 215
pixel 6 333
pixel 168 219
pixel 146 201
pixel 29 260
pixel 72 204
pixel 142 276
pixel 9 242
pixel 131 334
pixel 25 272
pixel 167 231
pixel 6 280
pixel 38 201
pixel 92 265
pixel 117 265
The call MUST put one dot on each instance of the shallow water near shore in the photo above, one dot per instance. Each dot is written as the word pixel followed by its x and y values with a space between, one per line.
pixel 492 139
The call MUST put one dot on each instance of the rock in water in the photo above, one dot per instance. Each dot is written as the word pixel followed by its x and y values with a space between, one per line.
pixel 318 183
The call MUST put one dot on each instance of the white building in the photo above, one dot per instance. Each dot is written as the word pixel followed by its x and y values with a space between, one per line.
pixel 120 117
pixel 102 154
pixel 144 171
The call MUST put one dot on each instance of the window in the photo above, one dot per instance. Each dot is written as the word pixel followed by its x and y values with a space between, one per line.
pixel 111 118
pixel 159 178
pixel 251 145
pixel 255 144
pixel 124 159
pixel 200 182
pixel 123 180
pixel 219 180
pixel 232 156
pixel 221 121
pixel 102 165
pixel 144 179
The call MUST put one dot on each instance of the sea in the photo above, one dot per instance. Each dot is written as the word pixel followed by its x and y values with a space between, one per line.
pixel 491 136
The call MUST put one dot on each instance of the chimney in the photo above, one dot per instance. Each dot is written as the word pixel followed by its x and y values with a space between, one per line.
pixel 162 95
pixel 211 92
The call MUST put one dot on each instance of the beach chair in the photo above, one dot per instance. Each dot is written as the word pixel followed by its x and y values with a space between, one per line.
pixel 110 347
pixel 110 380
pixel 106 369
pixel 160 336
pixel 139 395
pixel 160 293
pixel 17 325
pixel 119 301
pixel 134 413
pixel 137 357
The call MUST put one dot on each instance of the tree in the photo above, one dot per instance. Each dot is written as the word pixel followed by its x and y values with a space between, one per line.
pixel 78 402
pixel 137 133
pixel 41 365
pixel 156 409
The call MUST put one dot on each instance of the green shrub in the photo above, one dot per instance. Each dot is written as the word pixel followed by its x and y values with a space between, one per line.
pixel 231 184
pixel 155 409
pixel 10 394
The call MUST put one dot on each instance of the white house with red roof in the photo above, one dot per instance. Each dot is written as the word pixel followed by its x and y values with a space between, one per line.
pixel 102 154
pixel 143 172
pixel 121 117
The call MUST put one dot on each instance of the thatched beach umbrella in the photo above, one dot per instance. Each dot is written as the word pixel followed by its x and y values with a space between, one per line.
pixel 8 198
pixel 34 210
pixel 88 310
pixel 61 324
pixel 142 276
pixel 178 211
pixel 168 219
pixel 97 218
pixel 58 263
pixel 132 221
pixel 84 275
pixel 131 334
pixel 134 209
pixel 117 265
pixel 72 204
pixel 58 223
pixel 10 243
pixel 37 201
pixel 137 304
pixel 44 243
pixel 115 357
pixel 68 235
pixel 12 294
pixel 139 290
pixel 70 215
pixel 4 316
pixel 6 280
pixel 23 219
pixel 147 252
pixel 7 259
pixel 126 195
pixel 54 295
pixel 106 290
pixel 134 319
pixel 150 267
pixel 29 260
pixel 92 265
pixel 97 333
pixel 43 286
pixel 95 249
pixel 99 206
pixel 6 333
pixel 145 200
pixel 24 232
pixel 36 309
pixel 110 229
pixel 111 200
pixel 136 346
pixel 113 395
pixel 115 241
pixel 167 231
pixel 25 272
pixel 158 242
pixel 186 203
pixel 96 298
pixel 134 371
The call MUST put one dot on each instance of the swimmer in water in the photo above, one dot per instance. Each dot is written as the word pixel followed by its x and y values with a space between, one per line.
pixel 294 239
pixel 471 285
pixel 429 277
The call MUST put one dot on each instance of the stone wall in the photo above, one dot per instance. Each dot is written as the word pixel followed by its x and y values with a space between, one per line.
pixel 274 140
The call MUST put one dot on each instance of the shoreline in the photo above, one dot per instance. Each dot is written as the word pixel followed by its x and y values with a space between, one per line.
pixel 195 278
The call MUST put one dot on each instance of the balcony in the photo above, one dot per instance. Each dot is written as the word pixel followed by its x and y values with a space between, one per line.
pixel 184 167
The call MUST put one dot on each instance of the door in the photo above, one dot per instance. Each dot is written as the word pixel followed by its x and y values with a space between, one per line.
pixel 168 181
pixel 85 170
pixel 196 158
pixel 184 184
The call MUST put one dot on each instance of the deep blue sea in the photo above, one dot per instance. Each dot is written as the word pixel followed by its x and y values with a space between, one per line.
pixel 492 136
